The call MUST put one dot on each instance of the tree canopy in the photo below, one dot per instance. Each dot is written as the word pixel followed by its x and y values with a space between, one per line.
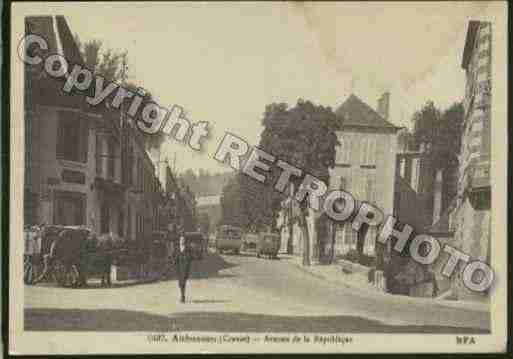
pixel 303 136
pixel 440 131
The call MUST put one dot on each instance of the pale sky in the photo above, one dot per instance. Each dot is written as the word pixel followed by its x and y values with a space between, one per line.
pixel 224 62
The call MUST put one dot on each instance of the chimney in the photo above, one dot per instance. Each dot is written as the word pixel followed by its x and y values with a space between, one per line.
pixel 384 105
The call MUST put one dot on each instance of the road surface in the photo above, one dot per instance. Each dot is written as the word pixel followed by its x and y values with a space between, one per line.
pixel 240 294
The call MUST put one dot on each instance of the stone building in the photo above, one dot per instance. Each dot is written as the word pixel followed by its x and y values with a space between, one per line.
pixel 365 163
pixel 472 214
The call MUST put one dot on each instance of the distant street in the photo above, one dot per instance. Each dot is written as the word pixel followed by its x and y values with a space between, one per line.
pixel 240 293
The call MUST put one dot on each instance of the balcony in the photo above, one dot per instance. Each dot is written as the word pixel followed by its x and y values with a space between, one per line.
pixel 109 187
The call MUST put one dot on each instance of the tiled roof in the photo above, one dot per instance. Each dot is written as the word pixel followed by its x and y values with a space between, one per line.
pixel 355 112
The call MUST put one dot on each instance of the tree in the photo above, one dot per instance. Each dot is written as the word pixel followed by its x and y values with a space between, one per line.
pixel 425 124
pixel 107 63
pixel 304 136
pixel 231 213
pixel 112 65
pixel 441 134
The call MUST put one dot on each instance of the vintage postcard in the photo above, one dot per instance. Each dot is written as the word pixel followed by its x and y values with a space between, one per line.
pixel 258 177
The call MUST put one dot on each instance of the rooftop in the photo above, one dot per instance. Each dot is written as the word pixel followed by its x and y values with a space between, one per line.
pixel 355 112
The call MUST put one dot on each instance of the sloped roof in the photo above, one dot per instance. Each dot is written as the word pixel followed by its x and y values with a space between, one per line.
pixel 43 89
pixel 355 112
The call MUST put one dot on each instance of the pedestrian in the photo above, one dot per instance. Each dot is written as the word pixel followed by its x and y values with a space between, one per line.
pixel 182 261
pixel 107 262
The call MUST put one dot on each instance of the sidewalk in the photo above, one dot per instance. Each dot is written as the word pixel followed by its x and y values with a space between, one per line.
pixel 358 282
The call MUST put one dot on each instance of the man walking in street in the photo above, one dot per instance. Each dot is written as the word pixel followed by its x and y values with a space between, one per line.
pixel 182 261
pixel 107 262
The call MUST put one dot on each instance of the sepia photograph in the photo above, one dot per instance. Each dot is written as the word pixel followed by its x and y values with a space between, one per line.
pixel 266 177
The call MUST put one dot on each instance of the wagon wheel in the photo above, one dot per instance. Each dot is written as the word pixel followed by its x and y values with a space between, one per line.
pixel 28 270
pixel 65 277
pixel 59 273
pixel 73 276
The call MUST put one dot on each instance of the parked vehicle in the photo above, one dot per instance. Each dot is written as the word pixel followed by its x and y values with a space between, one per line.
pixel 229 238
pixel 65 254
pixel 250 241
pixel 70 259
pixel 198 244
pixel 268 244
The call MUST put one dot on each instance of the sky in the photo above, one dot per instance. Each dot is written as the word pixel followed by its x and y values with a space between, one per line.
pixel 223 62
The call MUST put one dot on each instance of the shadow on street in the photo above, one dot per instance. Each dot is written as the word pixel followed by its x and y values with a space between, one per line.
pixel 208 267
pixel 121 320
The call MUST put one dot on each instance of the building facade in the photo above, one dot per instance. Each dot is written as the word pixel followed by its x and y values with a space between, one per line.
pixel 82 166
pixel 365 164
pixel 472 215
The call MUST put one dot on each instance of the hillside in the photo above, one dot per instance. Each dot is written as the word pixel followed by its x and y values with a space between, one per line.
pixel 205 183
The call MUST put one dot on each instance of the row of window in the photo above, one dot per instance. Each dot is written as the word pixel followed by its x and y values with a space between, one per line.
pixel 366 147
pixel 72 145
pixel 106 213
pixel 364 188
pixel 348 238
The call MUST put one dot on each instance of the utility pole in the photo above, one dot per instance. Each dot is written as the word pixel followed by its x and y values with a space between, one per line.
pixel 290 243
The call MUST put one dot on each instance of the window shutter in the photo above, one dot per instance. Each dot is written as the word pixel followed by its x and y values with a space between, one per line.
pixel 61 143
pixel 347 154
pixel 373 150
pixel 84 138
pixel 341 151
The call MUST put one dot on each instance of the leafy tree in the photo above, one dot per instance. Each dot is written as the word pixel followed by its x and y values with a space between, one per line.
pixel 231 213
pixel 304 136
pixel 425 124
pixel 441 133
pixel 112 65
pixel 104 62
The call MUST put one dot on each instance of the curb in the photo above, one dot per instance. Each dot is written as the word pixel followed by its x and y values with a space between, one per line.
pixel 471 306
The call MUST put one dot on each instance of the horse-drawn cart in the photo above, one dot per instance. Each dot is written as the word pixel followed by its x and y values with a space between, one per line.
pixel 70 254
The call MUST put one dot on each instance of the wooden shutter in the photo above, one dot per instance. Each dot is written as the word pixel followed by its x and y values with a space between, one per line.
pixel 61 143
pixel 84 138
